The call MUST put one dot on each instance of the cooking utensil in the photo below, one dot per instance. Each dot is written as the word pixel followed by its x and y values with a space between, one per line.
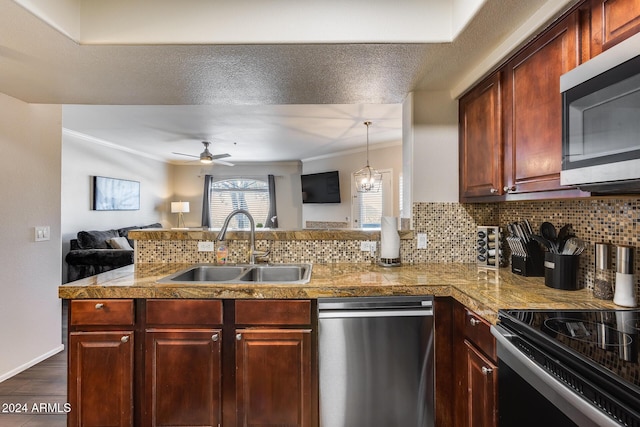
pixel 573 246
pixel 565 232
pixel 548 231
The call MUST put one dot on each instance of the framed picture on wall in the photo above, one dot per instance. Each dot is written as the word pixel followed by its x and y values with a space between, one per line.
pixel 112 194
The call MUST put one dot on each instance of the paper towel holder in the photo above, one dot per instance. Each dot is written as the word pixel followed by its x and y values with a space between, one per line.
pixel 390 262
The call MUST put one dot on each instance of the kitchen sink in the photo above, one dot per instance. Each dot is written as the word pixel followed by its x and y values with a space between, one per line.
pixel 241 274
pixel 276 273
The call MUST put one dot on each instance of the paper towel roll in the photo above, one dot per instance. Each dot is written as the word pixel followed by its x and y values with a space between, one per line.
pixel 389 238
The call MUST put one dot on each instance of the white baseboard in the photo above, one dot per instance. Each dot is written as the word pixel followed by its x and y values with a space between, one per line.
pixel 31 363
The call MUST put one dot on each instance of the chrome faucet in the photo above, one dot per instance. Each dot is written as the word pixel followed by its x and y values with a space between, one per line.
pixel 253 253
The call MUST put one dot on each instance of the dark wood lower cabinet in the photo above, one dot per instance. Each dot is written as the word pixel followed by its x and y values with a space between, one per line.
pixel 273 377
pixel 181 372
pixel 100 378
pixel 482 389
pixel 183 377
pixel 476 371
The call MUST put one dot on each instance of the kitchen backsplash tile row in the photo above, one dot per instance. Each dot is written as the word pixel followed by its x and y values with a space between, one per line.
pixel 451 230
pixel 292 251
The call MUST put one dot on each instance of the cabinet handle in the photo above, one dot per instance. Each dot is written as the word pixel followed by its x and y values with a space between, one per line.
pixel 493 190
pixel 238 337
pixel 508 189
pixel 124 339
pixel 99 306
pixel 486 371
pixel 214 337
pixel 474 321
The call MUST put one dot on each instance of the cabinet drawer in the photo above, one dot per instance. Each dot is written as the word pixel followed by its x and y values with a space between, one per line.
pixel 102 312
pixel 184 312
pixel 477 331
pixel 273 312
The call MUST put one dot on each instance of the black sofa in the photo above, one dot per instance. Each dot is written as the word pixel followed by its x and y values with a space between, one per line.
pixel 94 252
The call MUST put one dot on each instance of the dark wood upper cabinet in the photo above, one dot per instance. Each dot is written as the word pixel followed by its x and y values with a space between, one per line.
pixel 612 21
pixel 481 140
pixel 533 109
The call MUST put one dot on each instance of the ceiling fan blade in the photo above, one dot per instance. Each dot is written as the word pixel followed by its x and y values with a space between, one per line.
pixel 220 156
pixel 222 162
pixel 183 154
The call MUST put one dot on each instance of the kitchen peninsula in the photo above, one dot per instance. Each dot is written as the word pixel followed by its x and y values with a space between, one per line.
pixel 128 332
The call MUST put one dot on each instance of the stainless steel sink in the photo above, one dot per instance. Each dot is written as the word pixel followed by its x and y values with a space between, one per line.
pixel 277 273
pixel 241 274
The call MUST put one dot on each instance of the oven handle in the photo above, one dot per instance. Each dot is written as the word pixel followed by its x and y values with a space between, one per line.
pixel 579 410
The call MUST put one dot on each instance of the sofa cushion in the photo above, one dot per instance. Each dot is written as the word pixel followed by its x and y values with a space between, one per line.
pixel 96 239
pixel 119 243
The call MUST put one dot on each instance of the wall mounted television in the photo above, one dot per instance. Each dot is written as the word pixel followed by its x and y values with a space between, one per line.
pixel 321 187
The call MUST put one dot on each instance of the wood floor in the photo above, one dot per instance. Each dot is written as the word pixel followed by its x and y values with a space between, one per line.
pixel 43 385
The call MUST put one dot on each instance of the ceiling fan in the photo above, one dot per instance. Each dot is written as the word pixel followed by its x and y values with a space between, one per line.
pixel 207 158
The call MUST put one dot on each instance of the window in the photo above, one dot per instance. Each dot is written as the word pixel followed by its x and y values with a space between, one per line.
pixel 369 208
pixel 239 193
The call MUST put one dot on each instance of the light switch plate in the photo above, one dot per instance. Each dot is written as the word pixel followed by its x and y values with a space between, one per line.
pixel 42 233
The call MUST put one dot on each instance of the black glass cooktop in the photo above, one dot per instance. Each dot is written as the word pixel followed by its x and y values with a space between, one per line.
pixel 608 340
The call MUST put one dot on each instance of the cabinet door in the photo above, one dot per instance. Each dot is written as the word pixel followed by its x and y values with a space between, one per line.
pixel 613 21
pixel 533 109
pixel 101 378
pixel 183 377
pixel 482 393
pixel 273 377
pixel 481 140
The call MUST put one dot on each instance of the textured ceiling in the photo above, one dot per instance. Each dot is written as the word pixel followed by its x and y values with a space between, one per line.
pixel 299 101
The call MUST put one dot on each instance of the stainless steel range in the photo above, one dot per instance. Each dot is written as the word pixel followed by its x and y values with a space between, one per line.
pixel 569 368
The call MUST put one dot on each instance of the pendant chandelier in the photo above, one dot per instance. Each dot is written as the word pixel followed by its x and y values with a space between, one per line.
pixel 367 179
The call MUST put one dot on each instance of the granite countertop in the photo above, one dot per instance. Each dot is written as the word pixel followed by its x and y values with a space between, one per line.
pixel 484 291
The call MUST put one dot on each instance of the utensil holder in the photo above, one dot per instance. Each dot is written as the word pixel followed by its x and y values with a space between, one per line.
pixel 561 271
pixel 531 265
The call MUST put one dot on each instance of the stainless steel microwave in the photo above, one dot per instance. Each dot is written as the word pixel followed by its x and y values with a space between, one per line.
pixel 601 121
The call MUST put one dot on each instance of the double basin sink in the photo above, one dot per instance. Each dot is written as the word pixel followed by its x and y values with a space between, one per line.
pixel 241 274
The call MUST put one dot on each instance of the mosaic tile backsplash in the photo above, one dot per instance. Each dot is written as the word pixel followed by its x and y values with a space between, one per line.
pixel 451 234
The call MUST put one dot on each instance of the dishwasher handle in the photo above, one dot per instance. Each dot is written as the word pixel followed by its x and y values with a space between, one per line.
pixel 347 314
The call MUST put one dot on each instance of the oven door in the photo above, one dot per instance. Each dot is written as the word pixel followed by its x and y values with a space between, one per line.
pixel 529 396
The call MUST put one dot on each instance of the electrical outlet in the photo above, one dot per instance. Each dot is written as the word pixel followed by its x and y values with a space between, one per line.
pixel 365 245
pixel 422 241
pixel 42 233
pixel 373 246
pixel 205 246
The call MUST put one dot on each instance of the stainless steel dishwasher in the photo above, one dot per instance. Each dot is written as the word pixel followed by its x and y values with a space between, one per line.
pixel 376 362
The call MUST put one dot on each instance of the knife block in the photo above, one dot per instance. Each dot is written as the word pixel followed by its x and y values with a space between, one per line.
pixel 532 265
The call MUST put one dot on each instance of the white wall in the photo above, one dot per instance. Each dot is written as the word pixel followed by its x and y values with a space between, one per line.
pixel 83 159
pixel 388 157
pixel 30 311
pixel 435 146
pixel 188 185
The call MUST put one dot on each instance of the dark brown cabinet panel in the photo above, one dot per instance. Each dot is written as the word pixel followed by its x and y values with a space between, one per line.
pixel 475 376
pixel 273 377
pixel 481 140
pixel 533 109
pixel 613 21
pixel 482 389
pixel 183 377
pixel 100 379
